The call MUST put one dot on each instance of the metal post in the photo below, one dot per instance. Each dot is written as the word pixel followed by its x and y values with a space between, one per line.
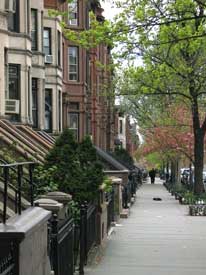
pixel 82 240
pixel 20 172
pixel 113 210
pixel 54 245
pixel 31 168
pixel 85 231
pixel 6 178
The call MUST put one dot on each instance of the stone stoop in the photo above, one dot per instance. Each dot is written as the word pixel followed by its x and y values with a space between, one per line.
pixel 124 214
pixel 9 212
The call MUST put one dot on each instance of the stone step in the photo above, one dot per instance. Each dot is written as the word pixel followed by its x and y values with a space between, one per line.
pixel 9 213
pixel 11 197
pixel 124 214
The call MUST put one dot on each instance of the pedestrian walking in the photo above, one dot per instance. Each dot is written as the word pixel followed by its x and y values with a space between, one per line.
pixel 152 174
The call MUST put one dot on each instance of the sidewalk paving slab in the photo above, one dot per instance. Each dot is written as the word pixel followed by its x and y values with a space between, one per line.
pixel 158 238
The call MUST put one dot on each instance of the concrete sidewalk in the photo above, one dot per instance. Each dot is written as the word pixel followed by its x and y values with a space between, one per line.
pixel 158 238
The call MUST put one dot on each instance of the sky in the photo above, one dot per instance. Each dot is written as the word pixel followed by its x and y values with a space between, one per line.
pixel 109 10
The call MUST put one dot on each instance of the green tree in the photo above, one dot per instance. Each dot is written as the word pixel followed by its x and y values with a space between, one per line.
pixel 73 168
pixel 170 37
pixel 124 157
pixel 92 175
pixel 62 163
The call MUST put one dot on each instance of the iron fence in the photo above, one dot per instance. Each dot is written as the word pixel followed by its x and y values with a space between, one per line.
pixel 8 259
pixel 61 244
pixel 17 168
pixel 76 243
pixel 90 227
pixel 88 216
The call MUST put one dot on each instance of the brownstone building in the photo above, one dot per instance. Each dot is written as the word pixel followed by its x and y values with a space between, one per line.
pixel 86 107
pixel 49 83
pixel 125 132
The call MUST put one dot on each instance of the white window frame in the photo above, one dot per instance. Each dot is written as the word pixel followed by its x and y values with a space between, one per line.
pixel 73 67
pixel 48 38
pixel 34 29
pixel 73 13
pixel 75 129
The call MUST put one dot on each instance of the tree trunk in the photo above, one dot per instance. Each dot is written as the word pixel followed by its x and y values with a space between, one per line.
pixel 199 161
pixel 173 172
pixel 177 174
pixel 167 167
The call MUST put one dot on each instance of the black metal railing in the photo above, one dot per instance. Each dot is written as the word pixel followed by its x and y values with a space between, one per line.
pixel 70 243
pixel 17 186
pixel 76 242
pixel 8 259
pixel 61 250
pixel 90 227
pixel 129 189
pixel 124 196
pixel 88 215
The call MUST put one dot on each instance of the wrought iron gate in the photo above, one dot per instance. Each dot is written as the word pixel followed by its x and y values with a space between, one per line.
pixel 61 246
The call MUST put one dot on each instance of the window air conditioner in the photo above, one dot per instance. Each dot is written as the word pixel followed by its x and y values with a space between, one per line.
pixel 10 6
pixel 12 106
pixel 49 59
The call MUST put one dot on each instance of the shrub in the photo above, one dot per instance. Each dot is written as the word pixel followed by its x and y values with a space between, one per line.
pixel 189 197
pixel 91 170
pixel 124 157
pixel 72 168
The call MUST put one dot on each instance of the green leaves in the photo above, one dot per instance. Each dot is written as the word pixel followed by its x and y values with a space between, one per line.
pixel 71 167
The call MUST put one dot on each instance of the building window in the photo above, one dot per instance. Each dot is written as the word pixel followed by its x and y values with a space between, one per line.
pixel 6 70
pixel 63 59
pixel 59 49
pixel 34 29
pixel 73 66
pixel 60 110
pixel 74 124
pixel 47 41
pixel 13 18
pixel 35 102
pixel 14 82
pixel 48 110
pixel 12 94
pixel 42 31
pixel 73 13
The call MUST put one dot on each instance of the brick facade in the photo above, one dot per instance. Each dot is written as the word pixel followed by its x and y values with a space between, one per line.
pixel 51 97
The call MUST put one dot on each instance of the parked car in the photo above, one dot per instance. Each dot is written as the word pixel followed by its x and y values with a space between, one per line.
pixel 185 175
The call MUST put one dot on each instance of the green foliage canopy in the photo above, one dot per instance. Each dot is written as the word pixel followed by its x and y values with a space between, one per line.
pixel 73 168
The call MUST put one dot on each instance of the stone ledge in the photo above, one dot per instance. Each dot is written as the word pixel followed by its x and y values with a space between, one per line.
pixel 124 214
pixel 24 224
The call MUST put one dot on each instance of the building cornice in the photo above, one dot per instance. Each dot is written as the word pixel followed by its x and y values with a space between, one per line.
pixel 22 35
pixel 37 53
pixel 53 83
pixel 50 66
pixel 38 66
pixel 58 20
pixel 4 31
pixel 20 51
